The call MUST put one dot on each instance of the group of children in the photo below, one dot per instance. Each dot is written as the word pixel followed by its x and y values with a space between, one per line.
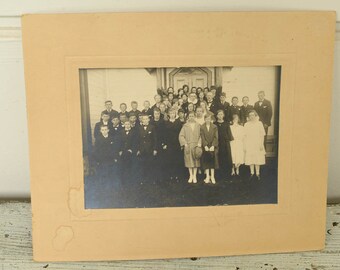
pixel 194 128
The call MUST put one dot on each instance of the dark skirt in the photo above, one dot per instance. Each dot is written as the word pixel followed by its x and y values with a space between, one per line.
pixel 224 156
pixel 210 160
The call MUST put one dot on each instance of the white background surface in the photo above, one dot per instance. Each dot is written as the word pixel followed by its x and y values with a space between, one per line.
pixel 14 166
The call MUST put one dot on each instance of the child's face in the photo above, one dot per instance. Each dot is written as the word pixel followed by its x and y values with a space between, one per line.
pixel 234 101
pixel 190 107
pixel 108 106
pixel 156 114
pixel 104 131
pixel 235 118
pixel 261 96
pixel 162 108
pixel 133 119
pixel 158 99
pixel 199 112
pixel 172 114
pixel 222 98
pixel 115 121
pixel 207 120
pixel 181 114
pixel 220 116
pixel 245 101
pixel 191 117
pixel 123 107
pixel 127 125
pixel 123 118
pixel 251 116
pixel 134 106
pixel 213 91
pixel 146 104
pixel 140 118
pixel 145 120
pixel 105 117
pixel 184 98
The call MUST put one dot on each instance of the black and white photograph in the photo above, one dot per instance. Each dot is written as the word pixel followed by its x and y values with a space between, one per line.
pixel 180 136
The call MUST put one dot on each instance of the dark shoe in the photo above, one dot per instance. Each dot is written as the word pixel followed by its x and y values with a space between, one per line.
pixel 251 177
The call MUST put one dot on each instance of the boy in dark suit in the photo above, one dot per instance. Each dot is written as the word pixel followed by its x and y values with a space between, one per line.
pixel 123 110
pixel 224 106
pixel 134 108
pixel 109 110
pixel 127 152
pixel 147 110
pixel 234 109
pixel 115 126
pixel 147 148
pixel 103 151
pixel 105 120
pixel 264 109
pixel 245 109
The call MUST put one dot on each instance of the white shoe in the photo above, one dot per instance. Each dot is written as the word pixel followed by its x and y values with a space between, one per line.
pixel 213 180
pixel 194 180
pixel 190 180
pixel 207 180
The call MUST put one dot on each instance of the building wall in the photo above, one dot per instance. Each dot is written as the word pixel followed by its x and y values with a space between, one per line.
pixel 248 81
pixel 118 85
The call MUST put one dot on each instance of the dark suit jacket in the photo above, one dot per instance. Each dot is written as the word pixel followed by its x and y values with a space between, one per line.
pixel 212 107
pixel 265 111
pixel 209 138
pixel 147 140
pixel 128 141
pixel 103 149
pixel 234 110
pixel 148 112
pixel 244 112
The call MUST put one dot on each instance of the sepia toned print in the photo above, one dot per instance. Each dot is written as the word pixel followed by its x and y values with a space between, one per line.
pixel 170 137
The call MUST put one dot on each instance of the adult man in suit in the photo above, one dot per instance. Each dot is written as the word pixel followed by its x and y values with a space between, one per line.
pixel 264 109
pixel 211 103
pixel 234 109
pixel 224 106
pixel 105 120
pixel 245 109
pixel 147 148
pixel 109 110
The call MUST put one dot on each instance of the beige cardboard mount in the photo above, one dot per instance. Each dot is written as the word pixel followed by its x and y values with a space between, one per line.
pixel 57 46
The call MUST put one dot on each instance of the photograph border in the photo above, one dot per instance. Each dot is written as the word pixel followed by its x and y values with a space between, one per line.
pixel 77 196
pixel 55 47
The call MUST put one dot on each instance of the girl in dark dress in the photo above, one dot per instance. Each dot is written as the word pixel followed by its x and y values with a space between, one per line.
pixel 174 154
pixel 209 135
pixel 224 138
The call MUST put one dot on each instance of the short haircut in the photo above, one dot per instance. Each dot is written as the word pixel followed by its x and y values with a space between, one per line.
pixel 105 113
pixel 253 111
pixel 223 94
pixel 108 101
pixel 245 97
pixel 191 112
pixel 261 92
pixel 199 107
pixel 134 102
pixel 156 110
pixel 101 126
pixel 123 104
pixel 157 95
pixel 213 87
pixel 220 111
pixel 234 98
pixel 208 115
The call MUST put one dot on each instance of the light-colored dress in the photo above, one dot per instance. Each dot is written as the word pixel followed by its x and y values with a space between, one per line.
pixel 253 142
pixel 237 147
pixel 191 135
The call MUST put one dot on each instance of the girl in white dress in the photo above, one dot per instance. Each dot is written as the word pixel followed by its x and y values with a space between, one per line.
pixel 254 143
pixel 237 148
